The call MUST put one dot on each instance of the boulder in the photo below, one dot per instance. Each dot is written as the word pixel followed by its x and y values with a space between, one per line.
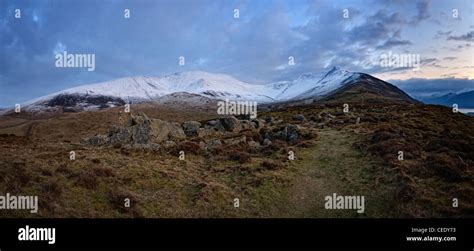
pixel 253 145
pixel 231 123
pixel 267 142
pixel 269 119
pixel 299 117
pixel 98 140
pixel 258 123
pixel 169 144
pixel 191 128
pixel 246 124
pixel 163 130
pixel 291 133
pixel 119 135
pixel 141 130
pixel 213 144
pixel 215 124
pixel 176 132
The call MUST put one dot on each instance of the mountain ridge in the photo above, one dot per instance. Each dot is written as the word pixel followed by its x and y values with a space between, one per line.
pixel 214 86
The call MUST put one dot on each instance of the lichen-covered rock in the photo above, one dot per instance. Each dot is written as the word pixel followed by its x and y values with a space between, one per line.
pixel 258 123
pixel 215 124
pixel 163 130
pixel 291 133
pixel 213 144
pixel 98 140
pixel 140 130
pixel 169 144
pixel 299 117
pixel 288 133
pixel 231 123
pixel 119 135
pixel 267 142
pixel 191 128
pixel 253 145
pixel 246 124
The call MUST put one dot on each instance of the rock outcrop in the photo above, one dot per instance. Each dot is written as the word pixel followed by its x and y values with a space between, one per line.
pixel 140 130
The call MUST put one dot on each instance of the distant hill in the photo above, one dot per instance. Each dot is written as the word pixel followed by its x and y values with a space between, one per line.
pixel 463 100
pixel 368 88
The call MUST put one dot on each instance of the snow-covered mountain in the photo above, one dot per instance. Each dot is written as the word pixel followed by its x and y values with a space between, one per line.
pixel 208 85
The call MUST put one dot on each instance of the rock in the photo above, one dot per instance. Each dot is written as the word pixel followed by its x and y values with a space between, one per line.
pixel 119 135
pixel 202 146
pixel 259 123
pixel 141 133
pixel 138 119
pixel 317 119
pixel 290 133
pixel 191 128
pixel 253 145
pixel 269 119
pixel 215 124
pixel 266 133
pixel 169 144
pixel 163 130
pixel 141 130
pixel 267 142
pixel 98 140
pixel 213 144
pixel 247 124
pixel 208 132
pixel 176 132
pixel 231 123
pixel 299 117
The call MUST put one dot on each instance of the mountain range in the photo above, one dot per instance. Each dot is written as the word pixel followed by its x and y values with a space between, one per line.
pixel 199 86
pixel 463 99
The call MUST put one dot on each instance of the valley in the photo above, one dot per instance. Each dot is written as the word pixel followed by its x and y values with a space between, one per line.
pixel 333 154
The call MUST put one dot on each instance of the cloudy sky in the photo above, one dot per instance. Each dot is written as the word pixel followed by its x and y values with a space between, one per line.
pixel 254 47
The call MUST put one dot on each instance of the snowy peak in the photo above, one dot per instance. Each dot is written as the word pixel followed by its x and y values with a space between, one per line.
pixel 208 85
pixel 310 84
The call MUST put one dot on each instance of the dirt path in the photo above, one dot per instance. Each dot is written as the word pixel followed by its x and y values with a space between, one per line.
pixel 334 166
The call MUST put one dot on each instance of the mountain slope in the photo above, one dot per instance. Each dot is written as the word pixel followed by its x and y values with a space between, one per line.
pixel 364 87
pixel 149 88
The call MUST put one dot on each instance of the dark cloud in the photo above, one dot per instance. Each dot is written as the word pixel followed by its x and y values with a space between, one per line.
pixel 449 58
pixel 253 48
pixel 469 37
pixel 440 34
pixel 426 87
pixel 393 43
pixel 423 11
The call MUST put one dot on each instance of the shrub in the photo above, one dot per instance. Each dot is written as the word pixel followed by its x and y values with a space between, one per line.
pixel 270 164
pixel 242 157
pixel 189 147
pixel 87 180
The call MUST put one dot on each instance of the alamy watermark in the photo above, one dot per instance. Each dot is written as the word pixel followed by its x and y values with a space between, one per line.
pixel 28 233
pixel 400 60
pixel 237 108
pixel 19 202
pixel 67 60
pixel 345 202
